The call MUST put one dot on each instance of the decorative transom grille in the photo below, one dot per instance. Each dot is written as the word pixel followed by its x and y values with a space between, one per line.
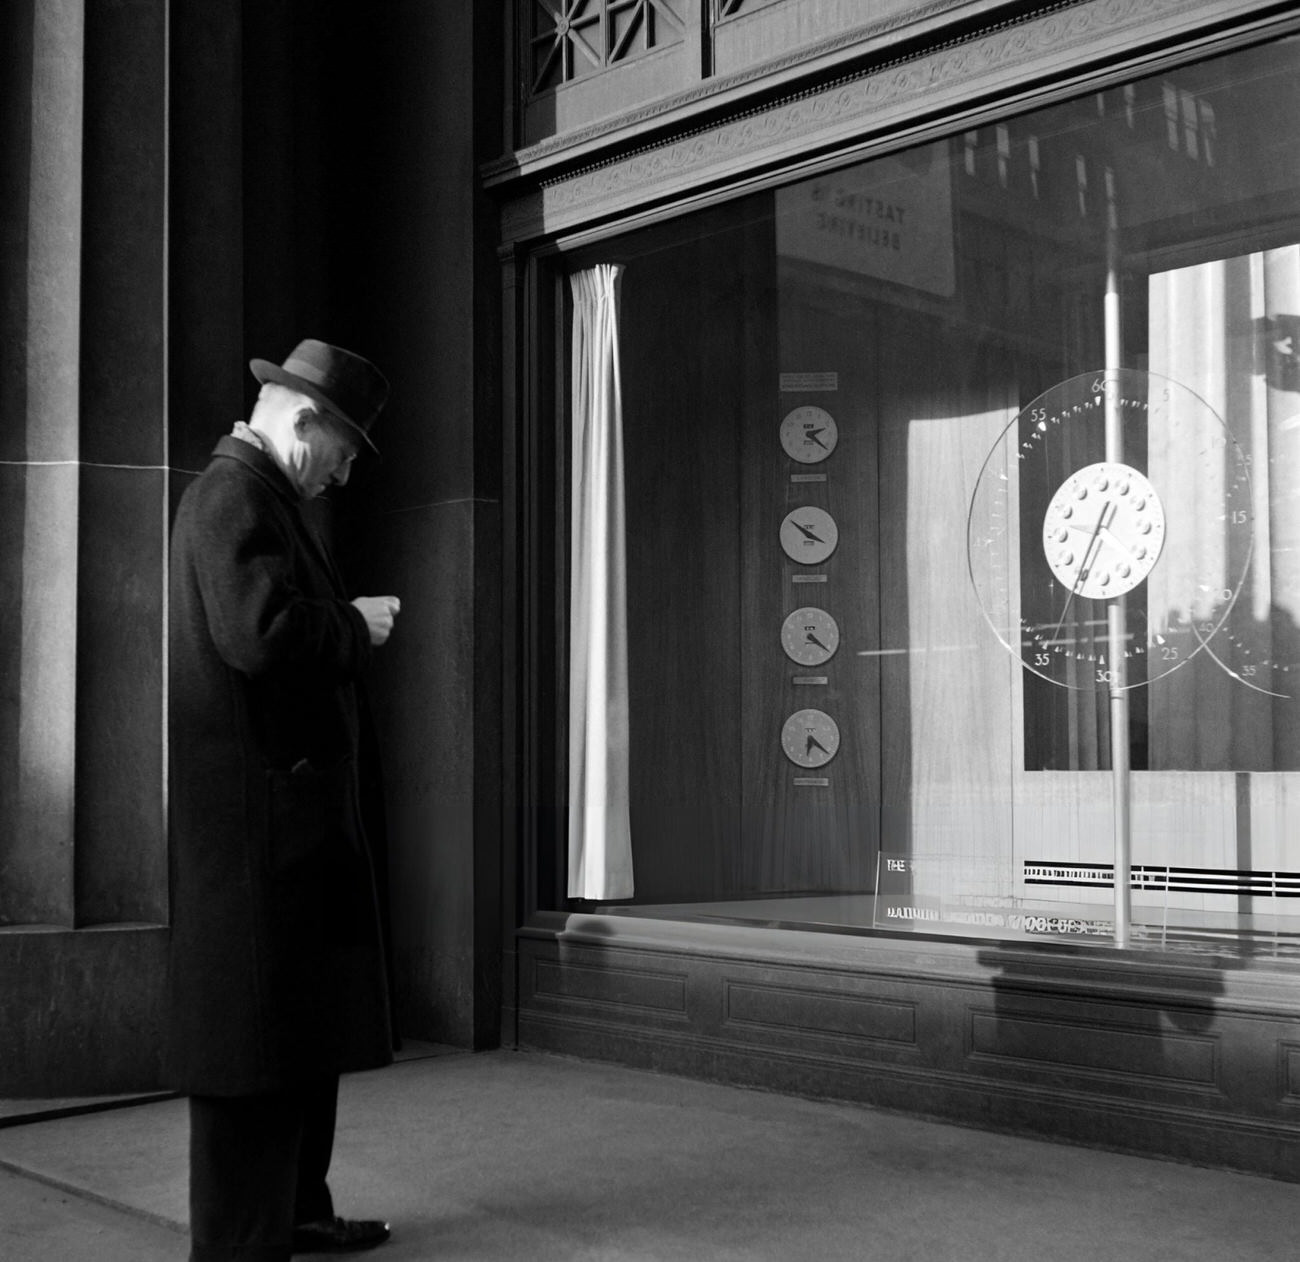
pixel 573 38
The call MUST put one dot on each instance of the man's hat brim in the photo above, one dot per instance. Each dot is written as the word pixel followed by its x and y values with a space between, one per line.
pixel 265 372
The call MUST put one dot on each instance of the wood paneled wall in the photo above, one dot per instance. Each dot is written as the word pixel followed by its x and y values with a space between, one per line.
pixel 716 812
pixel 1138 1053
pixel 692 341
pixel 801 835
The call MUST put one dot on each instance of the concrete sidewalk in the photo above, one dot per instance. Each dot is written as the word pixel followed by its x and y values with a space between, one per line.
pixel 521 1155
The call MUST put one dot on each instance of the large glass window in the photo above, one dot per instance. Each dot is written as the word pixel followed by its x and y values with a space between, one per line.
pixel 941 501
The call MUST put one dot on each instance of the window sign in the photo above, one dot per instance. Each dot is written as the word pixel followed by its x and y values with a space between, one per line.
pixel 890 219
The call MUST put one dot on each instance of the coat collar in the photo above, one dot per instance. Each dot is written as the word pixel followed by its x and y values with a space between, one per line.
pixel 259 462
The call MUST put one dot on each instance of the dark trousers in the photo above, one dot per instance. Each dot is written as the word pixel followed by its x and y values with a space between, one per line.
pixel 257 1167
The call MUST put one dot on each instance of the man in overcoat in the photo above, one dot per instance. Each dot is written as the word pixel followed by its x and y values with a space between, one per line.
pixel 278 981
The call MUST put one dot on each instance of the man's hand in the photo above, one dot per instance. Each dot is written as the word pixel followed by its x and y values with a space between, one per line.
pixel 379 613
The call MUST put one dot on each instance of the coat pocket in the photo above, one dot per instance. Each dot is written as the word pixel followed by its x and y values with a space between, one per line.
pixel 307 812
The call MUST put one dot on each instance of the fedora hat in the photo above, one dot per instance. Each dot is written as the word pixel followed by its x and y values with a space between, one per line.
pixel 344 384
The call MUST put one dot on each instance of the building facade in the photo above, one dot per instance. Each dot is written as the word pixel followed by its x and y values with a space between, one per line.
pixel 843 479
pixel 907 506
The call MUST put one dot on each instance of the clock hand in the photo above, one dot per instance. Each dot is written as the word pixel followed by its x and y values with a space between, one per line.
pixel 811 435
pixel 1107 534
pixel 1116 542
pixel 1084 565
pixel 808 532
pixel 814 743
pixel 812 639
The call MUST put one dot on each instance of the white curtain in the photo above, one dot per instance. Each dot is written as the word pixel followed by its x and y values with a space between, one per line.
pixel 600 845
pixel 1227 329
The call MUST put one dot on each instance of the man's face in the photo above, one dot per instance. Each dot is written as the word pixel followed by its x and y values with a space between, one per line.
pixel 324 455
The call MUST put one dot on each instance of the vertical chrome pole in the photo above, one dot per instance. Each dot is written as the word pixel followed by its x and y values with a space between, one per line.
pixel 1115 620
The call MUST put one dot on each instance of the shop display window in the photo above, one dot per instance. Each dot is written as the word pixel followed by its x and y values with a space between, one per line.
pixel 928 535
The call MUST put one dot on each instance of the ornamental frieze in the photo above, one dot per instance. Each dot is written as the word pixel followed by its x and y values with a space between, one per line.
pixel 855 109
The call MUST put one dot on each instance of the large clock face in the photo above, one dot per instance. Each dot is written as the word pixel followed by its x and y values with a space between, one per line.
pixel 809 434
pixel 809 535
pixel 1110 572
pixel 1103 531
pixel 810 738
pixel 810 636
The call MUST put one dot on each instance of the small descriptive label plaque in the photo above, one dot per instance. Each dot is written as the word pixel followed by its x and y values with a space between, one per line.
pixel 812 782
pixel 808 578
pixel 807 477
pixel 809 679
pixel 809 382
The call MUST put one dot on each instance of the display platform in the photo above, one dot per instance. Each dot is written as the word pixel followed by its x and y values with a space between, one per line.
pixel 1264 936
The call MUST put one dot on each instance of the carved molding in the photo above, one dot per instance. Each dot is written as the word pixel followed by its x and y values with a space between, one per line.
pixel 567 39
pixel 878 100
pixel 1158 1056
pixel 631 119
pixel 819 1012
pixel 602 984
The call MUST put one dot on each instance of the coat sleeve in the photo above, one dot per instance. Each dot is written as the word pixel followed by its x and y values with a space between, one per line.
pixel 260 619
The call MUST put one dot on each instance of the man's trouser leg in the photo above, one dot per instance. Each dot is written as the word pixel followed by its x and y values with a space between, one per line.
pixel 254 1162
pixel 312 1200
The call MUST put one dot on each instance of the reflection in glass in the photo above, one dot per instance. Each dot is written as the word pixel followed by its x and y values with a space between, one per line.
pixel 926 301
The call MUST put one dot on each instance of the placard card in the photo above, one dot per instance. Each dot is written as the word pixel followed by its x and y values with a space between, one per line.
pixel 940 894
pixel 889 218
pixel 809 382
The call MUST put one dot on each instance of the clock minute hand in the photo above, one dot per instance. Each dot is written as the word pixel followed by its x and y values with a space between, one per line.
pixel 1085 564
pixel 1094 543
pixel 1106 533
pixel 1116 542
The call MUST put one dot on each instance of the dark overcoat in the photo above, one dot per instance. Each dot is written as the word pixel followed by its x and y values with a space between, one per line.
pixel 277 971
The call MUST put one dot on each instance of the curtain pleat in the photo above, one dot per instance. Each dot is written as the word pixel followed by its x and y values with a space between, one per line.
pixel 1214 327
pixel 600 846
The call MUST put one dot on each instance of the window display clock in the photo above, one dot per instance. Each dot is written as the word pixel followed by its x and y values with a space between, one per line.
pixel 810 738
pixel 810 636
pixel 1103 531
pixel 809 434
pixel 809 535
pixel 1058 535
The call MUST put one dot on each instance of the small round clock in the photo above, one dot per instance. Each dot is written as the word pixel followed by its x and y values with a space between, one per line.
pixel 810 637
pixel 1058 533
pixel 810 738
pixel 809 535
pixel 809 434
pixel 1103 530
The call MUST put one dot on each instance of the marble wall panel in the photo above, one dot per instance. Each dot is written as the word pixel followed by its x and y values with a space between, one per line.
pixel 37 692
pixel 121 850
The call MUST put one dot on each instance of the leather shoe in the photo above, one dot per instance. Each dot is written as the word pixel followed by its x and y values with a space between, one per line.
pixel 339 1235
